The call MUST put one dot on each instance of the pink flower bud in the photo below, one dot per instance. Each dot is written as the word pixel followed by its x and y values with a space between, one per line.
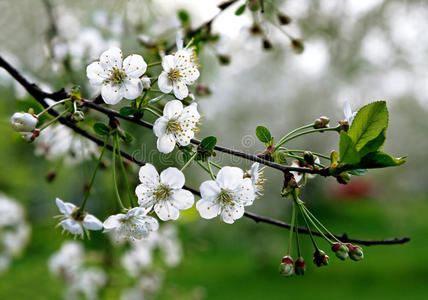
pixel 341 250
pixel 355 252
pixel 320 258
pixel 300 266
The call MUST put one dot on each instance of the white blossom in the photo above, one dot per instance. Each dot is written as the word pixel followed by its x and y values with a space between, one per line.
pixel 77 225
pixel 118 78
pixel 226 196
pixel 163 192
pixel 135 224
pixel 23 122
pixel 88 282
pixel 58 141
pixel 347 110
pixel 255 173
pixel 177 125
pixel 66 261
pixel 179 70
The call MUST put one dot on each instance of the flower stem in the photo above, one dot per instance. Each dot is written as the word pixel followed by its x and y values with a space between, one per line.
pixel 312 216
pixel 290 239
pixel 305 214
pixel 54 119
pixel 52 106
pixel 145 94
pixel 291 133
pixel 210 170
pixel 309 229
pixel 116 190
pixel 285 140
pixel 297 235
pixel 302 151
pixel 94 174
pixel 189 161
pixel 132 201
pixel 154 64
pixel 152 111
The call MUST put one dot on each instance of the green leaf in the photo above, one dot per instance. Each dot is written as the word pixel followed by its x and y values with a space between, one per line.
pixel 240 10
pixel 263 134
pixel 126 137
pixel 348 154
pixel 208 143
pixel 127 111
pixel 380 160
pixel 101 129
pixel 374 145
pixel 369 122
pixel 358 172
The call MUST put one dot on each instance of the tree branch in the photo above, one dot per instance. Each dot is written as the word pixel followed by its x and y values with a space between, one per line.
pixel 40 96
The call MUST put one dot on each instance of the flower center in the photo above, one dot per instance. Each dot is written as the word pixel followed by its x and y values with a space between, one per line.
pixel 173 126
pixel 225 196
pixel 174 74
pixel 117 76
pixel 162 192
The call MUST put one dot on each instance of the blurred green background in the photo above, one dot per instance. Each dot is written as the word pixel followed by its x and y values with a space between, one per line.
pixel 353 51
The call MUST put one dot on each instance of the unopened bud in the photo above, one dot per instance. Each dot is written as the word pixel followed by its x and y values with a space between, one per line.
pixel 30 136
pixel 355 252
pixel 309 158
pixel 23 122
pixel 321 122
pixel 344 125
pixel 78 116
pixel 255 29
pixel 50 176
pixel 343 178
pixel 286 266
pixel 300 266
pixel 284 19
pixel 297 46
pixel 341 250
pixel 202 90
pixel 320 258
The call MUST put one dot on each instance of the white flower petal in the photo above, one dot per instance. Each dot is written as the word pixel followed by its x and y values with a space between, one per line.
pixel 168 62
pixel 230 178
pixel 112 58
pixel 96 74
pixel 173 109
pixel 133 87
pixel 184 137
pixel 72 226
pixel 180 90
pixel 65 208
pixel 148 175
pixel 92 223
pixel 164 84
pixel 173 178
pixel 208 209
pixel 166 143
pixel 231 213
pixel 111 94
pixel 112 222
pixel 209 190
pixel 159 128
pixel 166 211
pixel 297 176
pixel 145 196
pixel 179 40
pixel 183 199
pixel 151 223
pixel 134 65
pixel 245 193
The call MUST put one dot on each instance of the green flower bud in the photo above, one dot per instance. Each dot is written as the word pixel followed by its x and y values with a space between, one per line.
pixel 355 252
pixel 341 250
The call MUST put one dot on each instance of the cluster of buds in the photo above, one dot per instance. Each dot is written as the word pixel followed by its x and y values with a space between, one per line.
pixel 25 124
pixel 321 122
pixel 344 251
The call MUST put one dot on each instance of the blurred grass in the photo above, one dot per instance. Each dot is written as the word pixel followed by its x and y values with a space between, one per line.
pixel 231 262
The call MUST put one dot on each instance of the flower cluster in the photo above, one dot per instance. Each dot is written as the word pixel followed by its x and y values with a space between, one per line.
pixel 14 231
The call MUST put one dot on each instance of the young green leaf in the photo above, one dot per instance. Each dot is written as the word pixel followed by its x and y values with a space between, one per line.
pixel 348 154
pixel 263 134
pixel 380 160
pixel 369 122
pixel 127 137
pixel 374 145
pixel 208 143
pixel 240 10
pixel 127 111
pixel 101 129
